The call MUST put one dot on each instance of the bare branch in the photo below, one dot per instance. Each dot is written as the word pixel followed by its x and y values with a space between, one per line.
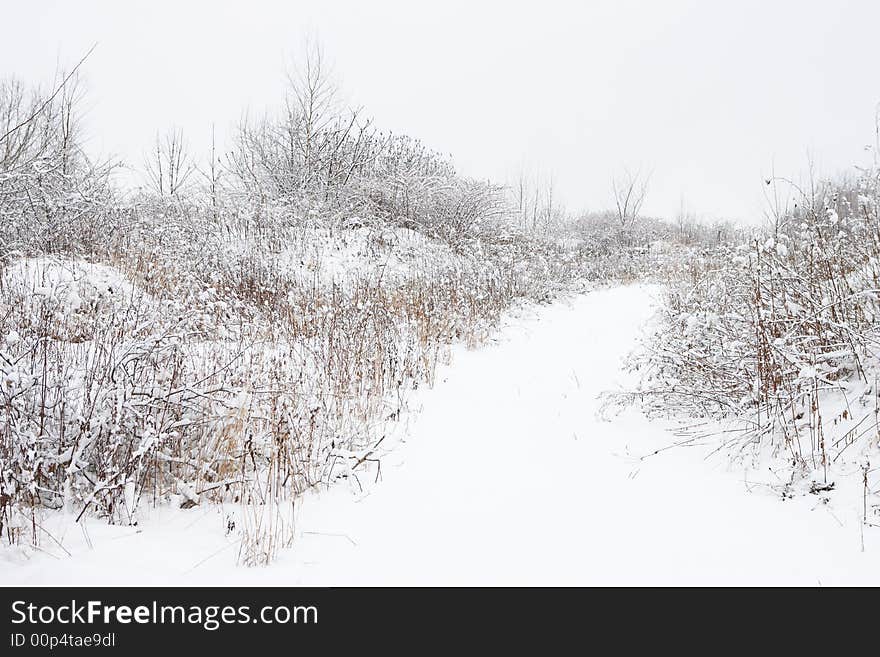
pixel 49 100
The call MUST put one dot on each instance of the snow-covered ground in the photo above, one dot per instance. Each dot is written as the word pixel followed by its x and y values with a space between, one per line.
pixel 508 477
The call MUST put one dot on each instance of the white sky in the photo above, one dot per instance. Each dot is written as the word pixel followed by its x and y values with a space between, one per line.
pixel 707 94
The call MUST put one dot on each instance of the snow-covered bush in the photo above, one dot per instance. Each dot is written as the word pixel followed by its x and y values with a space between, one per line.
pixel 53 197
pixel 780 334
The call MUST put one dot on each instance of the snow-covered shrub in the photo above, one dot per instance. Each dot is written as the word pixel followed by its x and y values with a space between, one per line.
pixel 53 197
pixel 780 334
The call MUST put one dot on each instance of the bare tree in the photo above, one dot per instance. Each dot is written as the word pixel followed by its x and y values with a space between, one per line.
pixel 35 128
pixel 52 195
pixel 310 106
pixel 312 146
pixel 520 197
pixel 629 190
pixel 169 165
pixel 534 200
pixel 212 176
pixel 22 137
pixel 38 108
pixel 68 122
pixel 550 210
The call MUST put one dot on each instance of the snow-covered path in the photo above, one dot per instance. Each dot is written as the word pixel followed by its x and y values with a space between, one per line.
pixel 508 477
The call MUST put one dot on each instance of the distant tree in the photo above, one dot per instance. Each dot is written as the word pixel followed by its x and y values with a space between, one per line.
pixel 310 106
pixel 169 165
pixel 534 201
pixel 212 175
pixel 629 189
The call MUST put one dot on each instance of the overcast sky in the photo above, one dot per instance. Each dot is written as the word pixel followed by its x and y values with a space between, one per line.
pixel 709 95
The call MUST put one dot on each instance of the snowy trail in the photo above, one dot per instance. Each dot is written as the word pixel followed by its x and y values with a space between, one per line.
pixel 508 477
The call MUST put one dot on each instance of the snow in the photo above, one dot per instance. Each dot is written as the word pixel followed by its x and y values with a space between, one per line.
pixel 322 256
pixel 66 280
pixel 509 475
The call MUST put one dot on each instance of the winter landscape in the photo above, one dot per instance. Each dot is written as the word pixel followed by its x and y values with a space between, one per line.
pixel 301 347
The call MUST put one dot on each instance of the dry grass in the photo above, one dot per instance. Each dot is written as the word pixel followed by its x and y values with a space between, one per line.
pixel 196 365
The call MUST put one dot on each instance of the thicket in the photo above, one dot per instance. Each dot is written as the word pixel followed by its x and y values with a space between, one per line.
pixel 777 337
pixel 247 327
